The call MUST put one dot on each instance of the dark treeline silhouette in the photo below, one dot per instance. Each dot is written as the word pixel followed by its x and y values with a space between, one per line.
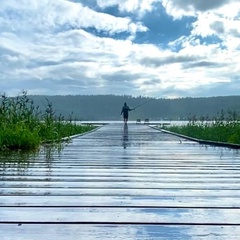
pixel 108 107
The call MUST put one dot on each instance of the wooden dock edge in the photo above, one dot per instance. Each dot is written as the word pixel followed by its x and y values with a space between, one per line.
pixel 71 137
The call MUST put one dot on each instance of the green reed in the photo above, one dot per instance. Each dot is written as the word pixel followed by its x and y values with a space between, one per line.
pixel 24 126
pixel 225 127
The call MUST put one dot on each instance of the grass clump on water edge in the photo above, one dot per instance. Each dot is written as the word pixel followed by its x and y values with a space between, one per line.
pixel 223 128
pixel 24 126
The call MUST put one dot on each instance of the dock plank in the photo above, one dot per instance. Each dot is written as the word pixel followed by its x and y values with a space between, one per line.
pixel 127 215
pixel 120 232
pixel 122 201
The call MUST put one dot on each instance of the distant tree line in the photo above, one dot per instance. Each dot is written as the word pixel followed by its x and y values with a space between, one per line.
pixel 108 107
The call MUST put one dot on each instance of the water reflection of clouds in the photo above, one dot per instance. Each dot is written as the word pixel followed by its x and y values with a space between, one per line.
pixel 185 231
pixel 169 232
pixel 144 232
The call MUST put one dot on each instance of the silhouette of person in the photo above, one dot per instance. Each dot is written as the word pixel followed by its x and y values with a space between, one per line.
pixel 125 110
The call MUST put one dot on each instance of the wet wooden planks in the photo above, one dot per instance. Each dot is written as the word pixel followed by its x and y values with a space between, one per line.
pixel 122 182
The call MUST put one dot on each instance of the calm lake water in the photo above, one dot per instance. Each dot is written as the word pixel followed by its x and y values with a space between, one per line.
pixel 151 122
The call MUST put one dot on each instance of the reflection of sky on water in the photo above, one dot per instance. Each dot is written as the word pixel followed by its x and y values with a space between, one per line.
pixel 161 232
pixel 184 232
pixel 144 232
pixel 169 232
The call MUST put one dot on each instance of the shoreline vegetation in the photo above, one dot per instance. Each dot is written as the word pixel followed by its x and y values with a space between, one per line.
pixel 225 128
pixel 23 126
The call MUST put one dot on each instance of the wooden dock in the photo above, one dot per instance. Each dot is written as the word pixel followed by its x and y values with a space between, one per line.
pixel 122 182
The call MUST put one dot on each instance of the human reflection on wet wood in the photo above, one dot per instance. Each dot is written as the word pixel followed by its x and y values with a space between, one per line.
pixel 125 136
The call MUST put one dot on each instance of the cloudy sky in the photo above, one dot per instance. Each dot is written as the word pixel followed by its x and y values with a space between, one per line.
pixel 158 48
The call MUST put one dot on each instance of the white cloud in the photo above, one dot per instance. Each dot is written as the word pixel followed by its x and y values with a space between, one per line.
pixel 50 15
pixel 133 6
pixel 181 8
pixel 210 24
pixel 219 19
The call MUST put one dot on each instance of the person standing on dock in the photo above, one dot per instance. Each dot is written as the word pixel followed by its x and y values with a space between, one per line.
pixel 125 110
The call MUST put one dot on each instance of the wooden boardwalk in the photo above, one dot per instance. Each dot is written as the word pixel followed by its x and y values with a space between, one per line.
pixel 122 183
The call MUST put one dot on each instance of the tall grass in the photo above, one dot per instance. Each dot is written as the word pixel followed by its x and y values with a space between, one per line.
pixel 24 126
pixel 225 127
